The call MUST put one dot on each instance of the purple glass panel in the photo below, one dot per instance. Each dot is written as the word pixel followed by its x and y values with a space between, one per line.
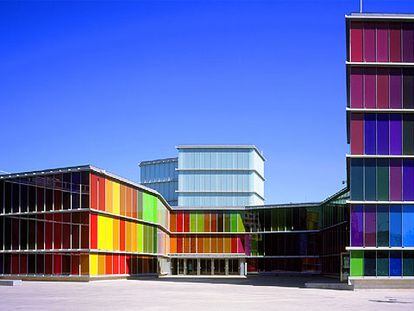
pixel 357 223
pixel 382 43
pixel 369 42
pixel 370 134
pixel 356 88
pixel 395 89
pixel 383 133
pixel 370 225
pixel 408 180
pixel 408 43
pixel 395 134
pixel 370 88
pixel 395 179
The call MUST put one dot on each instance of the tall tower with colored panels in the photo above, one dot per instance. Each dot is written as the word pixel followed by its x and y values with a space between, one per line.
pixel 380 114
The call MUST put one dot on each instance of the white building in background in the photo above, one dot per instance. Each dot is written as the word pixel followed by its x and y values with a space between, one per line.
pixel 209 176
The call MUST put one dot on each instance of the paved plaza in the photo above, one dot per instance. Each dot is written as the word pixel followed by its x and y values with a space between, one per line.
pixel 253 293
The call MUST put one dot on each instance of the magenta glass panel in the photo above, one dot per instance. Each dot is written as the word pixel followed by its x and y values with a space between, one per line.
pixel 395 88
pixel 370 134
pixel 356 88
pixel 408 180
pixel 370 88
pixel 395 134
pixel 357 223
pixel 383 88
pixel 247 244
pixel 408 43
pixel 356 41
pixel 369 42
pixel 370 225
pixel 382 43
pixel 395 42
pixel 395 179
pixel 383 133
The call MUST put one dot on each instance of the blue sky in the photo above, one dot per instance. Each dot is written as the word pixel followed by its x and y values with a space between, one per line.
pixel 115 83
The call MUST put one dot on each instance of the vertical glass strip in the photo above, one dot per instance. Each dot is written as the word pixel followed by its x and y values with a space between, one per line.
pixel 395 225
pixel 383 225
pixel 370 225
pixel 370 134
pixel 408 225
pixel 357 225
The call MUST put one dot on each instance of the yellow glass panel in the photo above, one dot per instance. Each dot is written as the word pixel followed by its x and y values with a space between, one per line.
pixel 134 237
pixel 101 232
pixel 115 198
pixel 108 195
pixel 93 264
pixel 101 264
pixel 116 234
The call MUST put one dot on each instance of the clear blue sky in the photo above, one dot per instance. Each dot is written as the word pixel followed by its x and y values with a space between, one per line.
pixel 113 84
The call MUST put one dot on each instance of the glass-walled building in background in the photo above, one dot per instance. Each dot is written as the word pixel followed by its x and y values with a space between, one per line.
pixel 380 80
pixel 162 176
pixel 220 176
pixel 208 175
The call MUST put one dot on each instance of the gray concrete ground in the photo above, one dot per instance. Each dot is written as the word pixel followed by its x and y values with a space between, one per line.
pixel 253 293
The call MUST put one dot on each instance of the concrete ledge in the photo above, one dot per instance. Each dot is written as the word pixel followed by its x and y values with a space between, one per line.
pixel 382 283
pixel 10 282
pixel 334 286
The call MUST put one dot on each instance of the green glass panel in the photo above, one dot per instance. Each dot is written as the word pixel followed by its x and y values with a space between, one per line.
pixel 383 231
pixel 357 263
pixel 240 224
pixel 357 179
pixel 370 179
pixel 200 222
pixel 193 222
pixel 226 222
pixel 155 240
pixel 408 130
pixel 408 263
pixel 382 179
pixel 140 205
pixel 233 223
pixel 139 238
pixel 383 263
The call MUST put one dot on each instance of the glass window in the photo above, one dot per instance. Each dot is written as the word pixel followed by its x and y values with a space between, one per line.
pixel 382 179
pixel 357 133
pixel 395 225
pixel 382 225
pixel 408 263
pixel 370 134
pixel 370 225
pixel 356 41
pixel 408 179
pixel 395 263
pixel 370 179
pixel 382 263
pixel 357 179
pixel 370 264
pixel 383 133
pixel 357 223
pixel 395 88
pixel 408 225
pixel 408 88
pixel 395 42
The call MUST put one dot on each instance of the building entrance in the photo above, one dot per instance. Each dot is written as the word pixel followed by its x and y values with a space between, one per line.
pixel 206 266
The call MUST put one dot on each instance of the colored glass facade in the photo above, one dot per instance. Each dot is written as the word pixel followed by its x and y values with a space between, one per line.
pixel 380 79
pixel 80 223
pixel 85 223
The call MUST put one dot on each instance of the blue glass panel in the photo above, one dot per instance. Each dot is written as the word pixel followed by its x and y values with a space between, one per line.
pixel 395 263
pixel 408 225
pixel 357 179
pixel 395 225
pixel 370 179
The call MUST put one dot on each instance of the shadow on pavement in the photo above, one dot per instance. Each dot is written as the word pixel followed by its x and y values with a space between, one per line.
pixel 251 280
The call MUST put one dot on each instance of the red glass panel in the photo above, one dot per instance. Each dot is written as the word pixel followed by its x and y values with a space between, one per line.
pixel 66 231
pixel 180 220
pixel 57 231
pixel 356 88
pixel 233 244
pixel 356 42
pixel 23 264
pixel 186 222
pixel 122 259
pixel 40 232
pixel 408 43
pixel 382 88
pixel 94 231
pixel 357 133
pixel 369 42
pixel 108 264
pixel 57 264
pixel 115 264
pixel 75 230
pixel 75 264
pixel 395 42
pixel 48 231
pixel 370 88
pixel 48 264
pixel 94 190
pixel 15 264
pixel 382 42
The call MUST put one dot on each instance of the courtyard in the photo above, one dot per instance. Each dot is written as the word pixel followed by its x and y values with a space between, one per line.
pixel 252 293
